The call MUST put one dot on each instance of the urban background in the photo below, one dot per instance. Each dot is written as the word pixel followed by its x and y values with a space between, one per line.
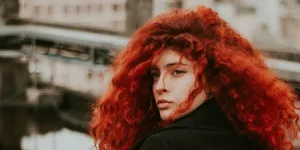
pixel 55 58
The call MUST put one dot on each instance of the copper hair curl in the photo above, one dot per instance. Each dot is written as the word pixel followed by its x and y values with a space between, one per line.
pixel 253 98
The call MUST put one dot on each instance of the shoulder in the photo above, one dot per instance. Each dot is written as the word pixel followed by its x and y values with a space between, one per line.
pixel 195 139
pixel 154 142
pixel 170 140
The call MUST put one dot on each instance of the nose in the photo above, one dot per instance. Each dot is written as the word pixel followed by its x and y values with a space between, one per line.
pixel 160 85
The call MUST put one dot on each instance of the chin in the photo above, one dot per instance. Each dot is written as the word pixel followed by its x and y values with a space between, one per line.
pixel 164 114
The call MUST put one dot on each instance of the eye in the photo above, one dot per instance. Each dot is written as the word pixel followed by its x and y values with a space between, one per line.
pixel 178 72
pixel 154 75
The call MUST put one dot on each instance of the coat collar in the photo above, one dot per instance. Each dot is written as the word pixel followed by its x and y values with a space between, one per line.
pixel 208 115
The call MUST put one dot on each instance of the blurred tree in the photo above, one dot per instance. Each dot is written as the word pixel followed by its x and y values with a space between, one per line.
pixel 1 12
pixel 137 13
pixel 8 9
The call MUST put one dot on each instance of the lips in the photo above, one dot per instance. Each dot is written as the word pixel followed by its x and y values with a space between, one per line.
pixel 162 104
pixel 162 101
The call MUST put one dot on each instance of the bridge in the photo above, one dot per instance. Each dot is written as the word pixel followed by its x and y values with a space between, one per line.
pixel 74 60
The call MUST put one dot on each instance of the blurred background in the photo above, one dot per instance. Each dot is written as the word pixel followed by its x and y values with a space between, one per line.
pixel 55 58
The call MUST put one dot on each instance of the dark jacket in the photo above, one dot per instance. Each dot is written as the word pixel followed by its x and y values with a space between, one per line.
pixel 206 128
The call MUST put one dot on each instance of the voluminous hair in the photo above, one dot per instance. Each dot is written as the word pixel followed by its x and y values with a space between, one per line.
pixel 254 99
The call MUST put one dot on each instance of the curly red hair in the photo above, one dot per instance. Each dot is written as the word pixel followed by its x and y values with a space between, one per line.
pixel 253 98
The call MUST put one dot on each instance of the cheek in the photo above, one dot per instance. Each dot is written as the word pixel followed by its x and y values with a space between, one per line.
pixel 153 90
pixel 184 86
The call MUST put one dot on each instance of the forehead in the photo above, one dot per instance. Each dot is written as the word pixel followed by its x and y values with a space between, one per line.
pixel 168 56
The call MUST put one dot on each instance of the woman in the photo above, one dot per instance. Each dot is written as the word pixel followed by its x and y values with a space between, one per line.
pixel 187 80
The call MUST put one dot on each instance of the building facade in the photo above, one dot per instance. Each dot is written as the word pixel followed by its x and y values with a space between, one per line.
pixel 104 14
pixel 268 20
pixel 243 15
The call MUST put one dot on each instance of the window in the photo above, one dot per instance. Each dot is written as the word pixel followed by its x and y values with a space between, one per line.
pixel 283 3
pixel 240 9
pixel 53 51
pixel 115 7
pixel 50 10
pixel 114 23
pixel 175 4
pixel 219 1
pixel 100 8
pixel 66 9
pixel 288 25
pixel 37 10
pixel 25 5
pixel 89 8
pixel 283 23
pixel 74 52
pixel 77 9
pixel 103 56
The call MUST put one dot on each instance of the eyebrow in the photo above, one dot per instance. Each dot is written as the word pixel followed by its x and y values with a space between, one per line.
pixel 169 65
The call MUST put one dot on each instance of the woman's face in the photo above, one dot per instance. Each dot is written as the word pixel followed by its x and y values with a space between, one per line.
pixel 173 80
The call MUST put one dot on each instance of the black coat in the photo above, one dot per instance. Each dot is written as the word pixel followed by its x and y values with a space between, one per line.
pixel 204 129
